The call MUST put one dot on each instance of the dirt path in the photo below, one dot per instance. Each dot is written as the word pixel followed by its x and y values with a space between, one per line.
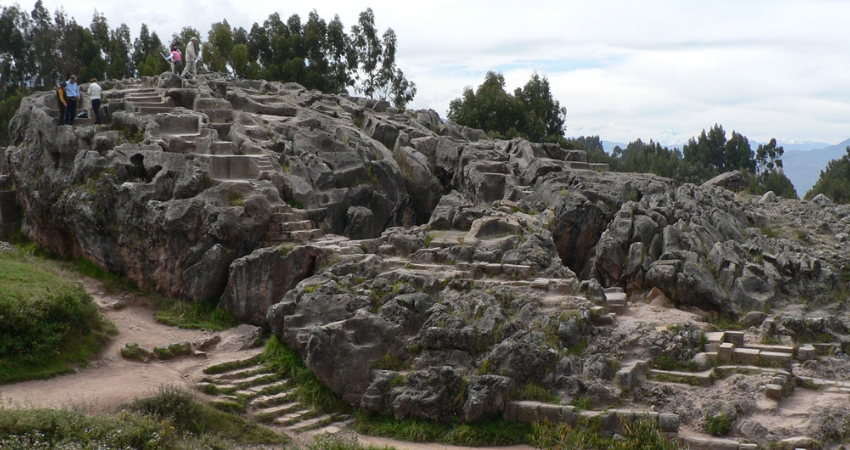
pixel 111 381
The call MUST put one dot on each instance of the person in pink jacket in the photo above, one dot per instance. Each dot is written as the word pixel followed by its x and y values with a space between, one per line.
pixel 176 59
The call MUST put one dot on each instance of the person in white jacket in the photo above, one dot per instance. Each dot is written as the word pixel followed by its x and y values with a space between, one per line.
pixel 94 98
pixel 191 57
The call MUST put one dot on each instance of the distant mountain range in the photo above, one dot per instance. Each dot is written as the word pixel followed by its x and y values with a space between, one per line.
pixel 802 161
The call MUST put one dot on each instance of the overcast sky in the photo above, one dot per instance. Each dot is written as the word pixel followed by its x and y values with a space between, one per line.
pixel 624 69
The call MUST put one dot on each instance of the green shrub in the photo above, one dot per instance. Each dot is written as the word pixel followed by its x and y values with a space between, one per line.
pixel 536 392
pixel 308 389
pixel 718 425
pixel 135 352
pixel 196 316
pixel 49 429
pixel 642 434
pixel 493 432
pixel 336 442
pixel 173 350
pixel 48 325
pixel 179 408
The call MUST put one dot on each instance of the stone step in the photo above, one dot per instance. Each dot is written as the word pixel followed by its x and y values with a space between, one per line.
pixel 277 411
pixel 242 373
pixel 772 348
pixel 297 226
pixel 315 422
pixel 220 386
pixel 292 417
pixel 267 401
pixel 307 235
pixel 144 97
pixel 151 110
pixel 715 337
pixel 709 443
pixel 693 378
pixel 274 387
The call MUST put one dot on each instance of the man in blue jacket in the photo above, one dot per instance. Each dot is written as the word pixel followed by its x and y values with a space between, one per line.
pixel 72 93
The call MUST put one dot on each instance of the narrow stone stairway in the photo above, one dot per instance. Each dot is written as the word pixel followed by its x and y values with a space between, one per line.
pixel 255 390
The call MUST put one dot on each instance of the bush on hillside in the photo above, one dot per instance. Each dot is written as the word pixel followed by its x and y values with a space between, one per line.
pixel 48 325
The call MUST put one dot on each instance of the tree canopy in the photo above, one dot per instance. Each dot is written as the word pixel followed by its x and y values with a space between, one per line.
pixel 38 50
pixel 834 181
pixel 702 158
pixel 530 112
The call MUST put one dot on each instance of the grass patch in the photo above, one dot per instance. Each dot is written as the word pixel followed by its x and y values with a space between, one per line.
pixel 308 389
pixel 48 324
pixel 535 392
pixel 111 283
pixel 493 432
pixel 233 365
pixel 582 403
pixel 335 442
pixel 170 420
pixel 642 434
pixel 194 316
pixel 665 362
pixel 136 353
pixel 718 425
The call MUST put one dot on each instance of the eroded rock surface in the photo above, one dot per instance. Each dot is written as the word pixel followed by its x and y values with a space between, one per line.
pixel 421 269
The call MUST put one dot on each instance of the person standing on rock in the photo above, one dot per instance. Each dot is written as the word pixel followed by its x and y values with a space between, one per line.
pixel 191 56
pixel 94 98
pixel 177 59
pixel 62 101
pixel 72 93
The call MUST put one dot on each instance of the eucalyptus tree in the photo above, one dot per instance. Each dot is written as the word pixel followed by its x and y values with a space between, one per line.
pixel 375 74
pixel 216 53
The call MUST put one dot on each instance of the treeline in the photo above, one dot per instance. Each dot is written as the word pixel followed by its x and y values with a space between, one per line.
pixel 533 113
pixel 702 158
pixel 38 50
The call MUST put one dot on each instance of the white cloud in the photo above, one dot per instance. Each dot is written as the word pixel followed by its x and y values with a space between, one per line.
pixel 623 69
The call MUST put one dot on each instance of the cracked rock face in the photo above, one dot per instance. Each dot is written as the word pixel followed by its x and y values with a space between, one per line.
pixel 419 268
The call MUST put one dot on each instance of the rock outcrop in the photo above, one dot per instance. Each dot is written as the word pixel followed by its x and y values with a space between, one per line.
pixel 419 268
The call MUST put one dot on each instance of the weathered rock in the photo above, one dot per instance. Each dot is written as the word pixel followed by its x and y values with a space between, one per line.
pixel 430 394
pixel 733 181
pixel 486 397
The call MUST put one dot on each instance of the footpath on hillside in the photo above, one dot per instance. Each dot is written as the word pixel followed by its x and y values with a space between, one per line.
pixel 112 381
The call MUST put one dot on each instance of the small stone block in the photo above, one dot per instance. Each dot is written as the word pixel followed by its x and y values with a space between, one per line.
pixel 510 411
pixel 726 350
pixel 824 349
pixel 668 422
pixel 540 283
pixel 748 446
pixel 610 421
pixel 775 358
pixel 712 348
pixel 616 297
pixel 568 415
pixel 735 337
pixel 619 310
pixel 552 413
pixel 746 355
pixel 715 337
pixel 773 391
pixel 806 353
pixel 527 412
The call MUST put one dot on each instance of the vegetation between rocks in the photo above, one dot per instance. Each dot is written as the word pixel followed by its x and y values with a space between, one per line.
pixel 196 316
pixel 642 434
pixel 494 432
pixel 170 420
